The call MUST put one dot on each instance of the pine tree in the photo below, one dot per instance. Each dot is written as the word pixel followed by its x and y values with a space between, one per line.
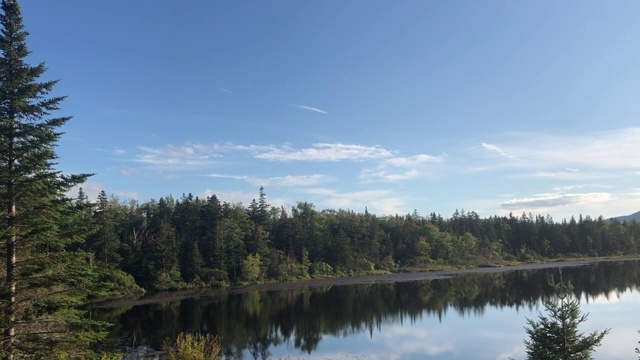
pixel 104 243
pixel 46 279
pixel 556 337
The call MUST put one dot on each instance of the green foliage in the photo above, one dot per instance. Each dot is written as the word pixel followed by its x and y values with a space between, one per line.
pixel 556 335
pixel 193 347
pixel 104 242
pixel 167 280
pixel 115 283
pixel 251 268
pixel 321 269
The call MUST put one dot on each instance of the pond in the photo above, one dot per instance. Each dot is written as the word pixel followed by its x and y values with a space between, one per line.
pixel 471 315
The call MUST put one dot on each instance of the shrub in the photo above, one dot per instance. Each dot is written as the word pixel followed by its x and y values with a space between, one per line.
pixel 193 347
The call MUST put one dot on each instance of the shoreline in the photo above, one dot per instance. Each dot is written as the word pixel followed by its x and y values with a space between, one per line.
pixel 354 280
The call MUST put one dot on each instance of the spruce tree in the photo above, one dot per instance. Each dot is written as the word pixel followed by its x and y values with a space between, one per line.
pixel 556 337
pixel 46 277
pixel 104 243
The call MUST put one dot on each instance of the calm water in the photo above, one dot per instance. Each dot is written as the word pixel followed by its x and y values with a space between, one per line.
pixel 478 316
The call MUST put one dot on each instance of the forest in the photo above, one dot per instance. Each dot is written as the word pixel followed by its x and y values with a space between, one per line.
pixel 172 243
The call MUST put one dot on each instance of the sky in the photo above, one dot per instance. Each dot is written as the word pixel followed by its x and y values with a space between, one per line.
pixel 495 107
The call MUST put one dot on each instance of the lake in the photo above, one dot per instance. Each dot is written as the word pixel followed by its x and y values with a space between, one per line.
pixel 470 315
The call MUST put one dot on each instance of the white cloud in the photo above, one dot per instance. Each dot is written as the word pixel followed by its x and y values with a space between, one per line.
pixel 323 152
pixel 495 149
pixel 173 157
pixel 580 156
pixel 232 197
pixel 114 150
pixel 225 90
pixel 289 180
pixel 386 175
pixel 235 177
pixel 292 180
pixel 118 151
pixel 416 340
pixel 603 298
pixel 567 174
pixel 377 201
pixel 401 168
pixel 580 186
pixel 412 161
pixel 125 195
pixel 545 202
pixel 92 189
pixel 564 205
pixel 309 108
pixel 244 198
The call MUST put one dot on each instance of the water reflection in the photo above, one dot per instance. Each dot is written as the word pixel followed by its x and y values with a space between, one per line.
pixel 261 324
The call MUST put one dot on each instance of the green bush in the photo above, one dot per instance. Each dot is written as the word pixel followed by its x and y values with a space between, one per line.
pixel 193 347
pixel 321 269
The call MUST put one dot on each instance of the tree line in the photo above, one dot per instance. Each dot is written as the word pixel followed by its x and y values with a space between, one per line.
pixel 191 241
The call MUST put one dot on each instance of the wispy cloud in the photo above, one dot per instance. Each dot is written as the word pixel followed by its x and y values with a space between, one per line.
pixel 245 198
pixel 225 90
pixel 580 186
pixel 401 168
pixel 545 202
pixel 497 150
pixel 418 341
pixel 308 108
pixel 288 180
pixel 196 156
pixel 379 201
pixel 568 156
pixel 234 177
pixel 323 152
pixel 565 174
pixel 293 180
pixel 114 150
pixel 175 157
pixel 92 189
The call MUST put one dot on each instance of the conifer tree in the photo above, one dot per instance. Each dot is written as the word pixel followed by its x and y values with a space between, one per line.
pixel 104 243
pixel 46 279
pixel 556 337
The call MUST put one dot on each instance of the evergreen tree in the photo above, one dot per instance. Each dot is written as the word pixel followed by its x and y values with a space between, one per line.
pixel 556 337
pixel 193 263
pixel 46 277
pixel 105 243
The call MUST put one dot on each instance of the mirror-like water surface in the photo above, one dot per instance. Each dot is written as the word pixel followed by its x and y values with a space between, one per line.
pixel 479 316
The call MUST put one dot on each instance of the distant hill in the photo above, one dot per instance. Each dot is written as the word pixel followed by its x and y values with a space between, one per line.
pixel 634 216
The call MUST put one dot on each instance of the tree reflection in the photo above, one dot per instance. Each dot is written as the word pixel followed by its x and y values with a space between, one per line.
pixel 253 322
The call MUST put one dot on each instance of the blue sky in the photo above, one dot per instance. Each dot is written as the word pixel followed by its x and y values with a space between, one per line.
pixel 493 106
